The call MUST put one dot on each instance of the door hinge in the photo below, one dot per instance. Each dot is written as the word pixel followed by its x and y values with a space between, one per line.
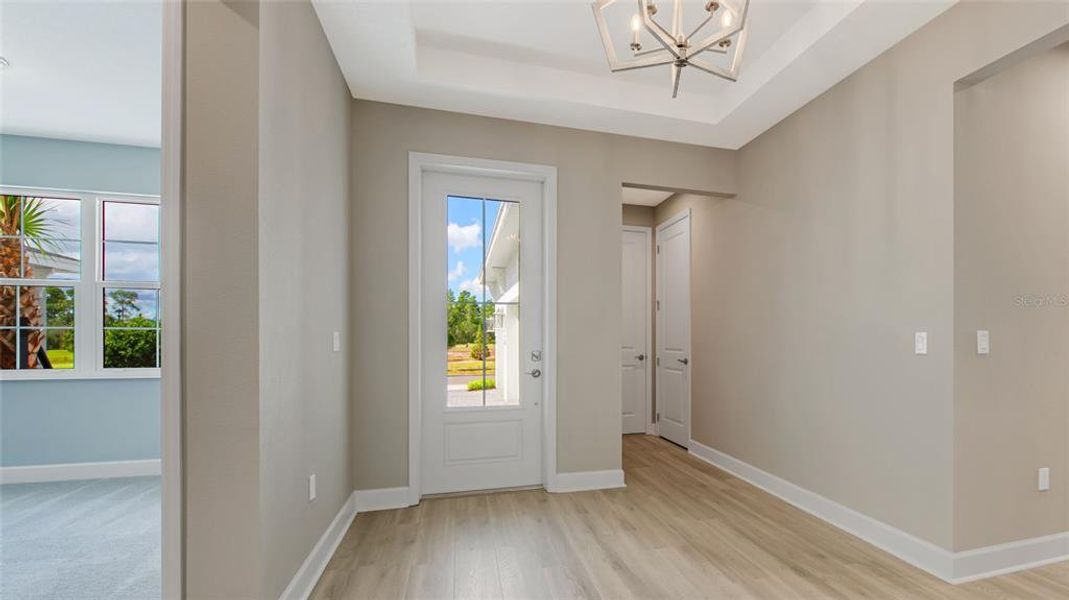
pixel 658 417
pixel 658 305
pixel 658 248
pixel 658 361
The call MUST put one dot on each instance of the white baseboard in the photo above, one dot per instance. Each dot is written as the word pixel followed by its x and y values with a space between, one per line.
pixel 382 499
pixel 970 565
pixel 952 567
pixel 75 471
pixel 584 481
pixel 304 581
pixel 915 551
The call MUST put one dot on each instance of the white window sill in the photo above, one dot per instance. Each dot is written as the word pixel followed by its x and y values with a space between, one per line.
pixel 74 375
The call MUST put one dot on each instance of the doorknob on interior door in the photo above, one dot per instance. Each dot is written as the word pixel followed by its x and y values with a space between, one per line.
pixel 684 361
pixel 536 373
pixel 641 357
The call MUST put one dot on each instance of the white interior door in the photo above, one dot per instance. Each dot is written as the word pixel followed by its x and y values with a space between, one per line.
pixel 673 329
pixel 481 333
pixel 634 349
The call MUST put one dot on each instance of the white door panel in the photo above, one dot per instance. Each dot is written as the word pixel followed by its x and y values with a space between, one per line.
pixel 673 329
pixel 634 353
pixel 475 440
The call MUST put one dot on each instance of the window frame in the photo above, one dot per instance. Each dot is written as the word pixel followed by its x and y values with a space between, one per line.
pixel 89 290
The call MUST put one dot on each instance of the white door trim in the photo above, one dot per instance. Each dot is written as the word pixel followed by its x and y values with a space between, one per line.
pixel 172 550
pixel 672 220
pixel 650 348
pixel 418 164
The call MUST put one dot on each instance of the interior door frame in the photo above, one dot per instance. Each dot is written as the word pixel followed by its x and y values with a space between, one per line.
pixel 172 554
pixel 651 428
pixel 672 220
pixel 418 164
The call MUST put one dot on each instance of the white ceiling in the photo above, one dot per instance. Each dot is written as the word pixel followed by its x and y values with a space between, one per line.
pixel 542 61
pixel 81 69
pixel 90 70
pixel 643 197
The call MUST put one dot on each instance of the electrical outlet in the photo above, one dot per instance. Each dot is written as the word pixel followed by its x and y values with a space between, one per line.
pixel 312 487
pixel 336 341
pixel 983 341
pixel 1044 479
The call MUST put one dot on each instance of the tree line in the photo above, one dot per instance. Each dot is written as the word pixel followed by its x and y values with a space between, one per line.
pixel 467 322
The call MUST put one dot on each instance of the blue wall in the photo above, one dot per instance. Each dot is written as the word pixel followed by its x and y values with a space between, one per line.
pixel 87 420
pixel 67 165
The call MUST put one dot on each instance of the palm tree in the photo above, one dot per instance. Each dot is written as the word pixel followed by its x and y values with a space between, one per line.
pixel 27 218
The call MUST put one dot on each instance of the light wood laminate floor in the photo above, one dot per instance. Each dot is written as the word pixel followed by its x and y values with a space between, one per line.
pixel 681 529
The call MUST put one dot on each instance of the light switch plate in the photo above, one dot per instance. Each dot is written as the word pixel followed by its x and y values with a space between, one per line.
pixel 1044 479
pixel 311 487
pixel 983 341
pixel 336 340
pixel 920 342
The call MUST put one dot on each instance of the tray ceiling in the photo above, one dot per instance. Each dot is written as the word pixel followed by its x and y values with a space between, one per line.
pixel 542 61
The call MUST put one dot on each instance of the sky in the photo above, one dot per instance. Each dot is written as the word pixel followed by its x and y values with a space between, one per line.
pixel 468 231
pixel 131 237
pixel 131 242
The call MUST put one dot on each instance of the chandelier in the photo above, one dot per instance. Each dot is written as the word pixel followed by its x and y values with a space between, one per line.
pixel 725 37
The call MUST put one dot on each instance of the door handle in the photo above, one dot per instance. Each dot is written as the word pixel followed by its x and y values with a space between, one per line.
pixel 641 357
pixel 683 361
pixel 536 373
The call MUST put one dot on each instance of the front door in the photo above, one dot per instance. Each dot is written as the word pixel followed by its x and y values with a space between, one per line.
pixel 673 329
pixel 481 333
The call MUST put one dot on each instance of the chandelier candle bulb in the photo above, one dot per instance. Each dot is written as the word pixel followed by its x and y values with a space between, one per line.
pixel 636 26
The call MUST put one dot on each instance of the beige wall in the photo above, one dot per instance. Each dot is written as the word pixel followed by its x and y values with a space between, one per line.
pixel 304 287
pixel 838 247
pixel 1011 258
pixel 591 168
pixel 265 282
pixel 641 216
pixel 220 328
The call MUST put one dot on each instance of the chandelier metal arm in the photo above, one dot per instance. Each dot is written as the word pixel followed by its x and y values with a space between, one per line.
pixel 740 46
pixel 711 69
pixel 737 25
pixel 659 33
pixel 700 25
pixel 648 52
pixel 650 61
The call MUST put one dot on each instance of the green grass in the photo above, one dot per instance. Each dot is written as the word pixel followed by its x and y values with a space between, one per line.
pixel 468 367
pixel 481 384
pixel 61 359
pixel 459 361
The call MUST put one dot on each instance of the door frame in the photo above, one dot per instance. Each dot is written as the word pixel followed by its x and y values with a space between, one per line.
pixel 672 220
pixel 651 350
pixel 172 555
pixel 418 164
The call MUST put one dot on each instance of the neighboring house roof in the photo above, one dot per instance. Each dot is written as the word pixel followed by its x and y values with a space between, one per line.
pixel 502 253
pixel 51 262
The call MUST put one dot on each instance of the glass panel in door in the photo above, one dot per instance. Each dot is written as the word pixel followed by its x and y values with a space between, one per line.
pixel 482 313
